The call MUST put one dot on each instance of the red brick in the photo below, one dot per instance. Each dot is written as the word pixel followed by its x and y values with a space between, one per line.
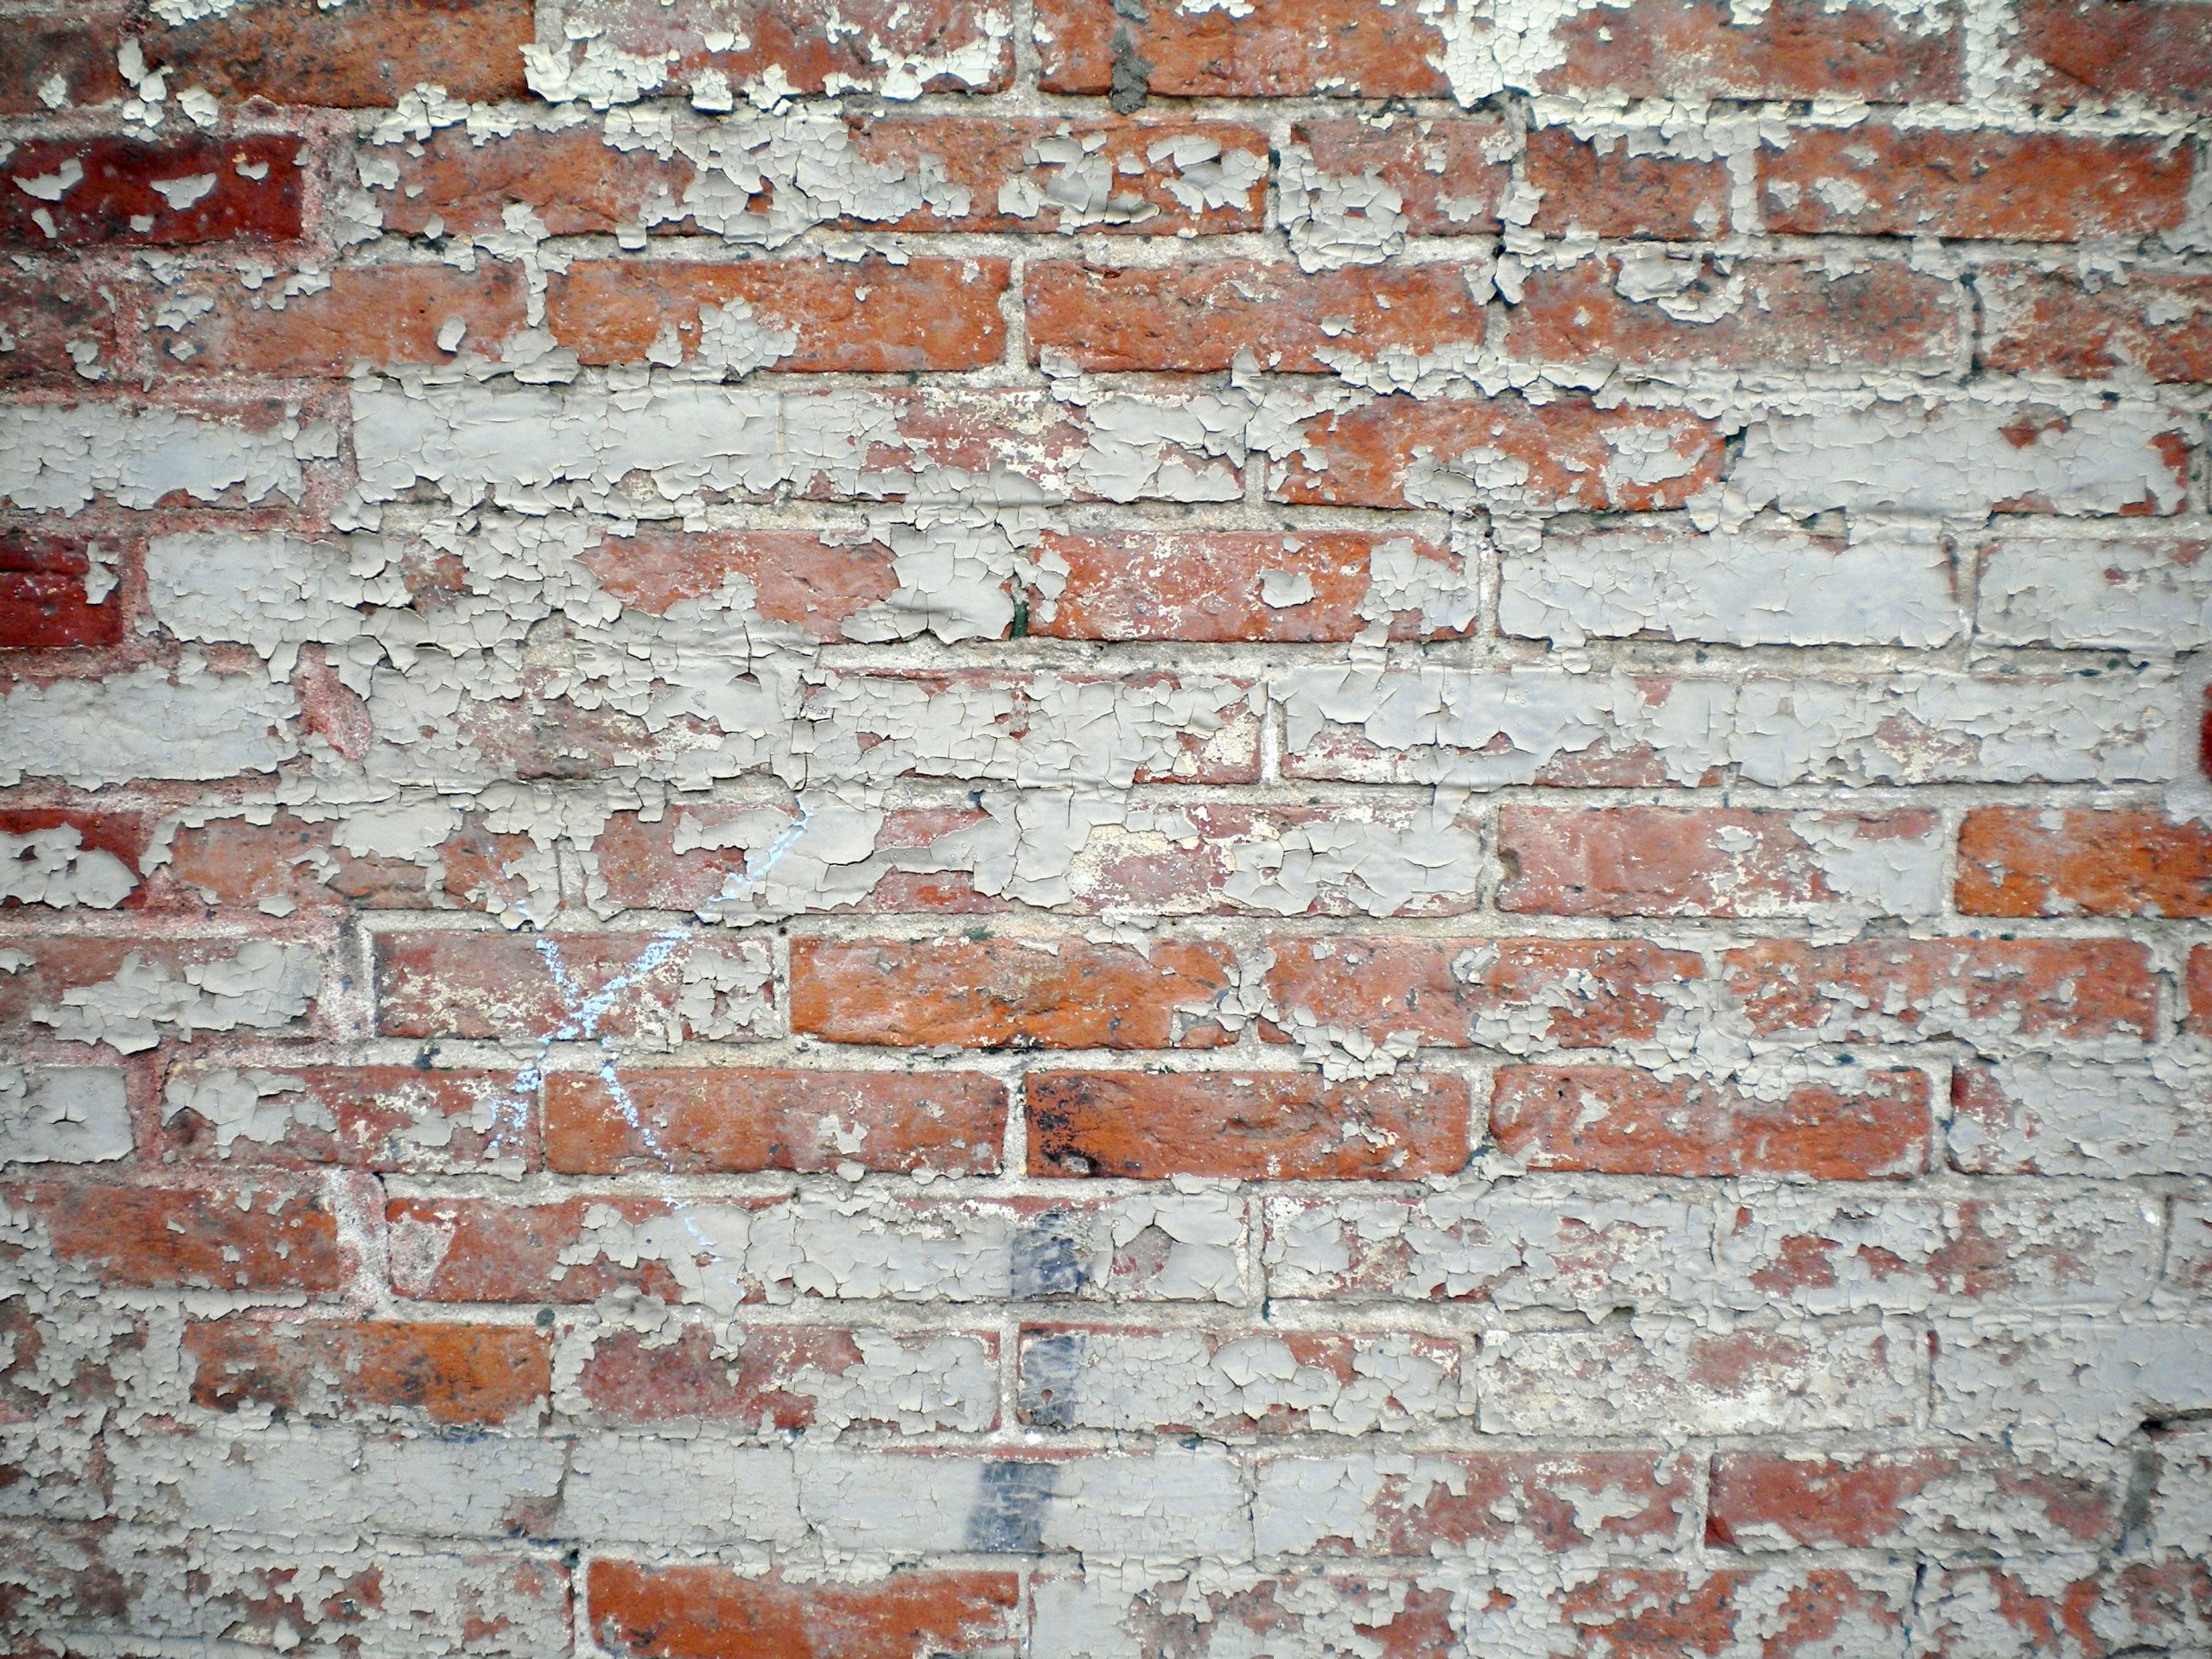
pixel 1201 317
pixel 46 311
pixel 385 1118
pixel 1448 173
pixel 565 1249
pixel 1620 1122
pixel 1655 861
pixel 717 1118
pixel 1062 992
pixel 1211 585
pixel 2055 322
pixel 895 46
pixel 1554 1501
pixel 1907 989
pixel 2198 987
pixel 2021 861
pixel 1392 1616
pixel 713 1612
pixel 382 315
pixel 2107 51
pixel 367 55
pixel 1653 1612
pixel 981 155
pixel 1400 451
pixel 2042 1608
pixel 450 1374
pixel 78 49
pixel 1476 993
pixel 1244 1125
pixel 1879 180
pixel 816 582
pixel 498 986
pixel 1651 49
pixel 114 200
pixel 760 1377
pixel 1772 315
pixel 873 316
pixel 1602 187
pixel 265 1234
pixel 43 602
pixel 1944 1498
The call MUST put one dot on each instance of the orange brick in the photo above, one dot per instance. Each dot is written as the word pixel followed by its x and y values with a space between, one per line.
pixel 1399 451
pixel 1062 992
pixel 713 1612
pixel 1874 1500
pixel 2018 861
pixel 813 581
pixel 875 316
pixel 381 315
pixel 717 1118
pixel 1200 318
pixel 1621 1122
pixel 451 1374
pixel 1244 1125
pixel 1874 179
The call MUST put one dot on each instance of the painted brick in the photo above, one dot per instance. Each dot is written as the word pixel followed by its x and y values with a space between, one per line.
pixel 383 1118
pixel 265 1234
pixel 2142 594
pixel 1943 1499
pixel 1447 176
pixel 1244 1125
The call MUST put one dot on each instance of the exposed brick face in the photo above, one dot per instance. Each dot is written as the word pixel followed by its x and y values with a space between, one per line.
pixel 1225 829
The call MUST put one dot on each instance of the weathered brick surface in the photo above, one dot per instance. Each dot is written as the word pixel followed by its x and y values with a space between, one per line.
pixel 1256 830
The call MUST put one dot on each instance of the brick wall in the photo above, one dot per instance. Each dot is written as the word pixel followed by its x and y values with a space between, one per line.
pixel 1269 827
